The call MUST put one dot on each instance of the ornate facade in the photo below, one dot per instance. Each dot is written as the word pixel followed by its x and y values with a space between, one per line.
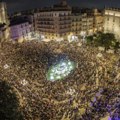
pixel 112 21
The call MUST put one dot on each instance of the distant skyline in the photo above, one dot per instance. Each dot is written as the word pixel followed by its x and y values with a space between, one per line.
pixel 18 5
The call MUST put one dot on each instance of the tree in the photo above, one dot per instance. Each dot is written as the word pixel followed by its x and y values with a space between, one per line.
pixel 89 39
pixel 117 46
pixel 106 40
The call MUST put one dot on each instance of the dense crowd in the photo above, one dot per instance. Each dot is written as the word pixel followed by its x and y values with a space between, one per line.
pixel 90 92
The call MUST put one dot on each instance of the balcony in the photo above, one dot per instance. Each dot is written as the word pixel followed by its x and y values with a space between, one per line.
pixel 44 19
pixel 65 23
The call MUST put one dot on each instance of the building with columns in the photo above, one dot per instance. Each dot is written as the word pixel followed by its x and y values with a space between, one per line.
pixel 82 24
pixel 98 20
pixel 112 21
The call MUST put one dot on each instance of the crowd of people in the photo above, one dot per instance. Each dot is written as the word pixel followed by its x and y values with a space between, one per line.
pixel 90 92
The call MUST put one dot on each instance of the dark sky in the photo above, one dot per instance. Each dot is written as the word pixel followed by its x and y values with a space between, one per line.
pixel 17 5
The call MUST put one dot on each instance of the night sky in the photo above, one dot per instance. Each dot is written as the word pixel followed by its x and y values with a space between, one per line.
pixel 17 5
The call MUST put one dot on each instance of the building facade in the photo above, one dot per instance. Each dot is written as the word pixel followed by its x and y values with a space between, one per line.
pixel 82 25
pixel 98 20
pixel 54 23
pixel 86 22
pixel 76 24
pixel 20 30
pixel 112 21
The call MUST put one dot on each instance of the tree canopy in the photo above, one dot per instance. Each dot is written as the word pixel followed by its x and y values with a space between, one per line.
pixel 106 40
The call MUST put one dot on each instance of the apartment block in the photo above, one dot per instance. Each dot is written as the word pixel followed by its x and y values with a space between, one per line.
pixel 19 30
pixel 54 22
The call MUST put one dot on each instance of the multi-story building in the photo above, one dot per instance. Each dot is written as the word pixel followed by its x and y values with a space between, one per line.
pixel 98 20
pixel 20 30
pixel 76 24
pixel 87 24
pixel 82 22
pixel 54 23
pixel 82 25
pixel 63 22
pixel 112 21
pixel 27 15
